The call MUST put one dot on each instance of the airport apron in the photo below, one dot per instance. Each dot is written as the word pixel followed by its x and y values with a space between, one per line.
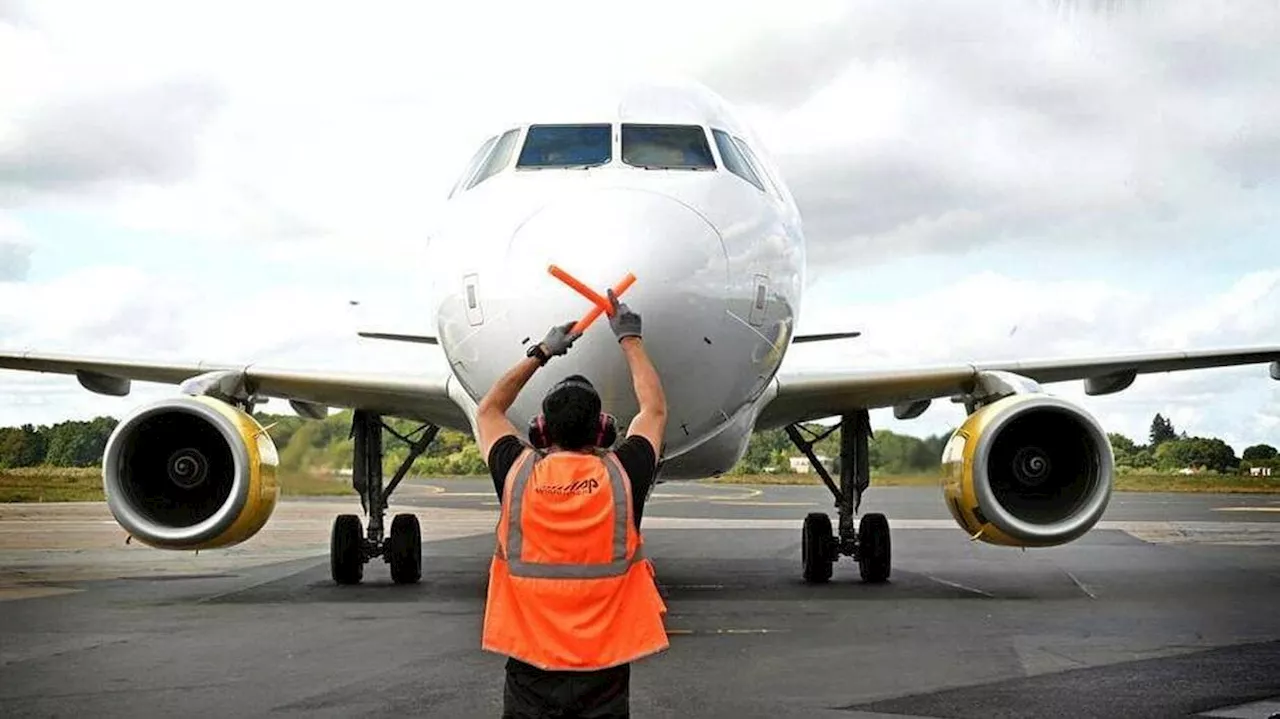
pixel 569 586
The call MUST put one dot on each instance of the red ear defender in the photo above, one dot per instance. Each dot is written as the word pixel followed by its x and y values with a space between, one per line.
pixel 538 432
pixel 608 431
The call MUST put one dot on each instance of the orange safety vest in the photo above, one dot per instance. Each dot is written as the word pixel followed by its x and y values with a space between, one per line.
pixel 569 586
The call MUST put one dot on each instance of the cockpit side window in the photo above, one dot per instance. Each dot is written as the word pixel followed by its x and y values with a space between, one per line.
pixel 498 159
pixel 761 171
pixel 733 159
pixel 666 147
pixel 473 164
pixel 565 146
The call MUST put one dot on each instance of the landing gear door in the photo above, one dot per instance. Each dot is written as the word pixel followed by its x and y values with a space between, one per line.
pixel 759 300
pixel 471 299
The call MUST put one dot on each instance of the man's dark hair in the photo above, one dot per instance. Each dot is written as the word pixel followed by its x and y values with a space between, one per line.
pixel 572 411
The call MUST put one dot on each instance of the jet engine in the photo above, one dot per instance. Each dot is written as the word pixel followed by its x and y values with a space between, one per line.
pixel 1028 470
pixel 190 473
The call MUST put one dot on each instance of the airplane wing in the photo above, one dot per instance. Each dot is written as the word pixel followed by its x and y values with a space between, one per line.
pixel 801 396
pixel 424 398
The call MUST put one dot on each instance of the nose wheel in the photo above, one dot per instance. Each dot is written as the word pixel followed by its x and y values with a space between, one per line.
pixel 404 549
pixel 346 550
pixel 867 541
pixel 873 548
pixel 817 550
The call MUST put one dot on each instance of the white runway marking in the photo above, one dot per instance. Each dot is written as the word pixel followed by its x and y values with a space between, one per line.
pixel 447 493
pixel 717 523
pixel 687 632
pixel 1235 533
pixel 742 495
pixel 752 503
pixel 11 593
pixel 957 585
pixel 1081 584
pixel 56 521
pixel 1252 710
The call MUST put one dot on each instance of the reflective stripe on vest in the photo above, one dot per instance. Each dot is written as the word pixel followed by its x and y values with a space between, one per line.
pixel 546 570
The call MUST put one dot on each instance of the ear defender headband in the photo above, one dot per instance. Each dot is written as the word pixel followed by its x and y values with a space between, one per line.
pixel 606 427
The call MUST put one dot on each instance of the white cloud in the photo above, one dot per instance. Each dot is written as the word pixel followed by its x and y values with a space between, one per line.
pixel 943 126
pixel 290 157
pixel 1245 313
pixel 990 316
pixel 142 134
pixel 126 312
pixel 15 250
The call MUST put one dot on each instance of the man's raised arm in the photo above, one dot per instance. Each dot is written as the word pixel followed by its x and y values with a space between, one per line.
pixel 491 414
pixel 651 421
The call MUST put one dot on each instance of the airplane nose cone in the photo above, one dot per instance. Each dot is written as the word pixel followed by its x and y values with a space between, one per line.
pixel 598 236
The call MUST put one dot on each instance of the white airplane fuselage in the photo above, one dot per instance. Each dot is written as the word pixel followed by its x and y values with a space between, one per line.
pixel 719 266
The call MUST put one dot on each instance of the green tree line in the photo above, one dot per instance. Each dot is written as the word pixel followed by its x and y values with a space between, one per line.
pixel 302 444
pixel 771 451
pixel 66 444
pixel 1168 450
pixel 326 445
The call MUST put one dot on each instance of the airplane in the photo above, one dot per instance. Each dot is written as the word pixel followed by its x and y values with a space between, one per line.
pixel 664 180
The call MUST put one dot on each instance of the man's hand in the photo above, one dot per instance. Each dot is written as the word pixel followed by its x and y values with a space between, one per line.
pixel 624 322
pixel 491 418
pixel 559 339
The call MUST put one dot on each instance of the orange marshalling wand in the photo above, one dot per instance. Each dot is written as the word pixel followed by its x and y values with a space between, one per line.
pixel 600 303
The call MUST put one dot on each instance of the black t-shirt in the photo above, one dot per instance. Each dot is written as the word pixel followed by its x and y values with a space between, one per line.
pixel 635 454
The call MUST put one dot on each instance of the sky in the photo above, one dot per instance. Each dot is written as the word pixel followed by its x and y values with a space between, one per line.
pixel 986 181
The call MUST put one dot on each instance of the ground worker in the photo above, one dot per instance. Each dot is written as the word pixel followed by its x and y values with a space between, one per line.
pixel 571 599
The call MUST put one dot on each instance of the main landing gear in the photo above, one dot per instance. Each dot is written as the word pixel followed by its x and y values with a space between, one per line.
pixel 869 544
pixel 348 549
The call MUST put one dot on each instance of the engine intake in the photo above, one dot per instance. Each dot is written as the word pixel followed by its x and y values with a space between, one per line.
pixel 1029 470
pixel 190 473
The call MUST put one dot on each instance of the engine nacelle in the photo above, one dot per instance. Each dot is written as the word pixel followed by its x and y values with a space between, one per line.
pixel 190 473
pixel 1029 470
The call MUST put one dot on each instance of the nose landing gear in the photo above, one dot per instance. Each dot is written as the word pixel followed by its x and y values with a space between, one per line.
pixel 867 542
pixel 348 550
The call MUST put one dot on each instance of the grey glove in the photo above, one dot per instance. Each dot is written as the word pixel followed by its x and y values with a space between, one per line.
pixel 559 339
pixel 624 322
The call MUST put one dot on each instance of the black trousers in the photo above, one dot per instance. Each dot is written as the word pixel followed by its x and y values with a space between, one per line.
pixel 532 692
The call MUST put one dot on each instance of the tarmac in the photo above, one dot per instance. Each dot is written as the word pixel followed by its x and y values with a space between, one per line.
pixel 1167 609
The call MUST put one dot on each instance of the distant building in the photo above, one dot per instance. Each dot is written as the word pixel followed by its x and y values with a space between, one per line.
pixel 800 465
pixel 1259 471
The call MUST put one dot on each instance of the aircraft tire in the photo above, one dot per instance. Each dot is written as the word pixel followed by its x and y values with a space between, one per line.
pixel 873 548
pixel 346 550
pixel 404 549
pixel 815 548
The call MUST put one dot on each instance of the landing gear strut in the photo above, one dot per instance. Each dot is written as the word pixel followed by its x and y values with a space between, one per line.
pixel 868 542
pixel 348 550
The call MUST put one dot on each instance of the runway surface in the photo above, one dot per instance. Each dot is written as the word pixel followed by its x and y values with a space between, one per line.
pixel 1168 609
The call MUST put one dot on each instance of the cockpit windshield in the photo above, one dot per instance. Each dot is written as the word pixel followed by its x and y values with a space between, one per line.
pixel 566 146
pixel 666 147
